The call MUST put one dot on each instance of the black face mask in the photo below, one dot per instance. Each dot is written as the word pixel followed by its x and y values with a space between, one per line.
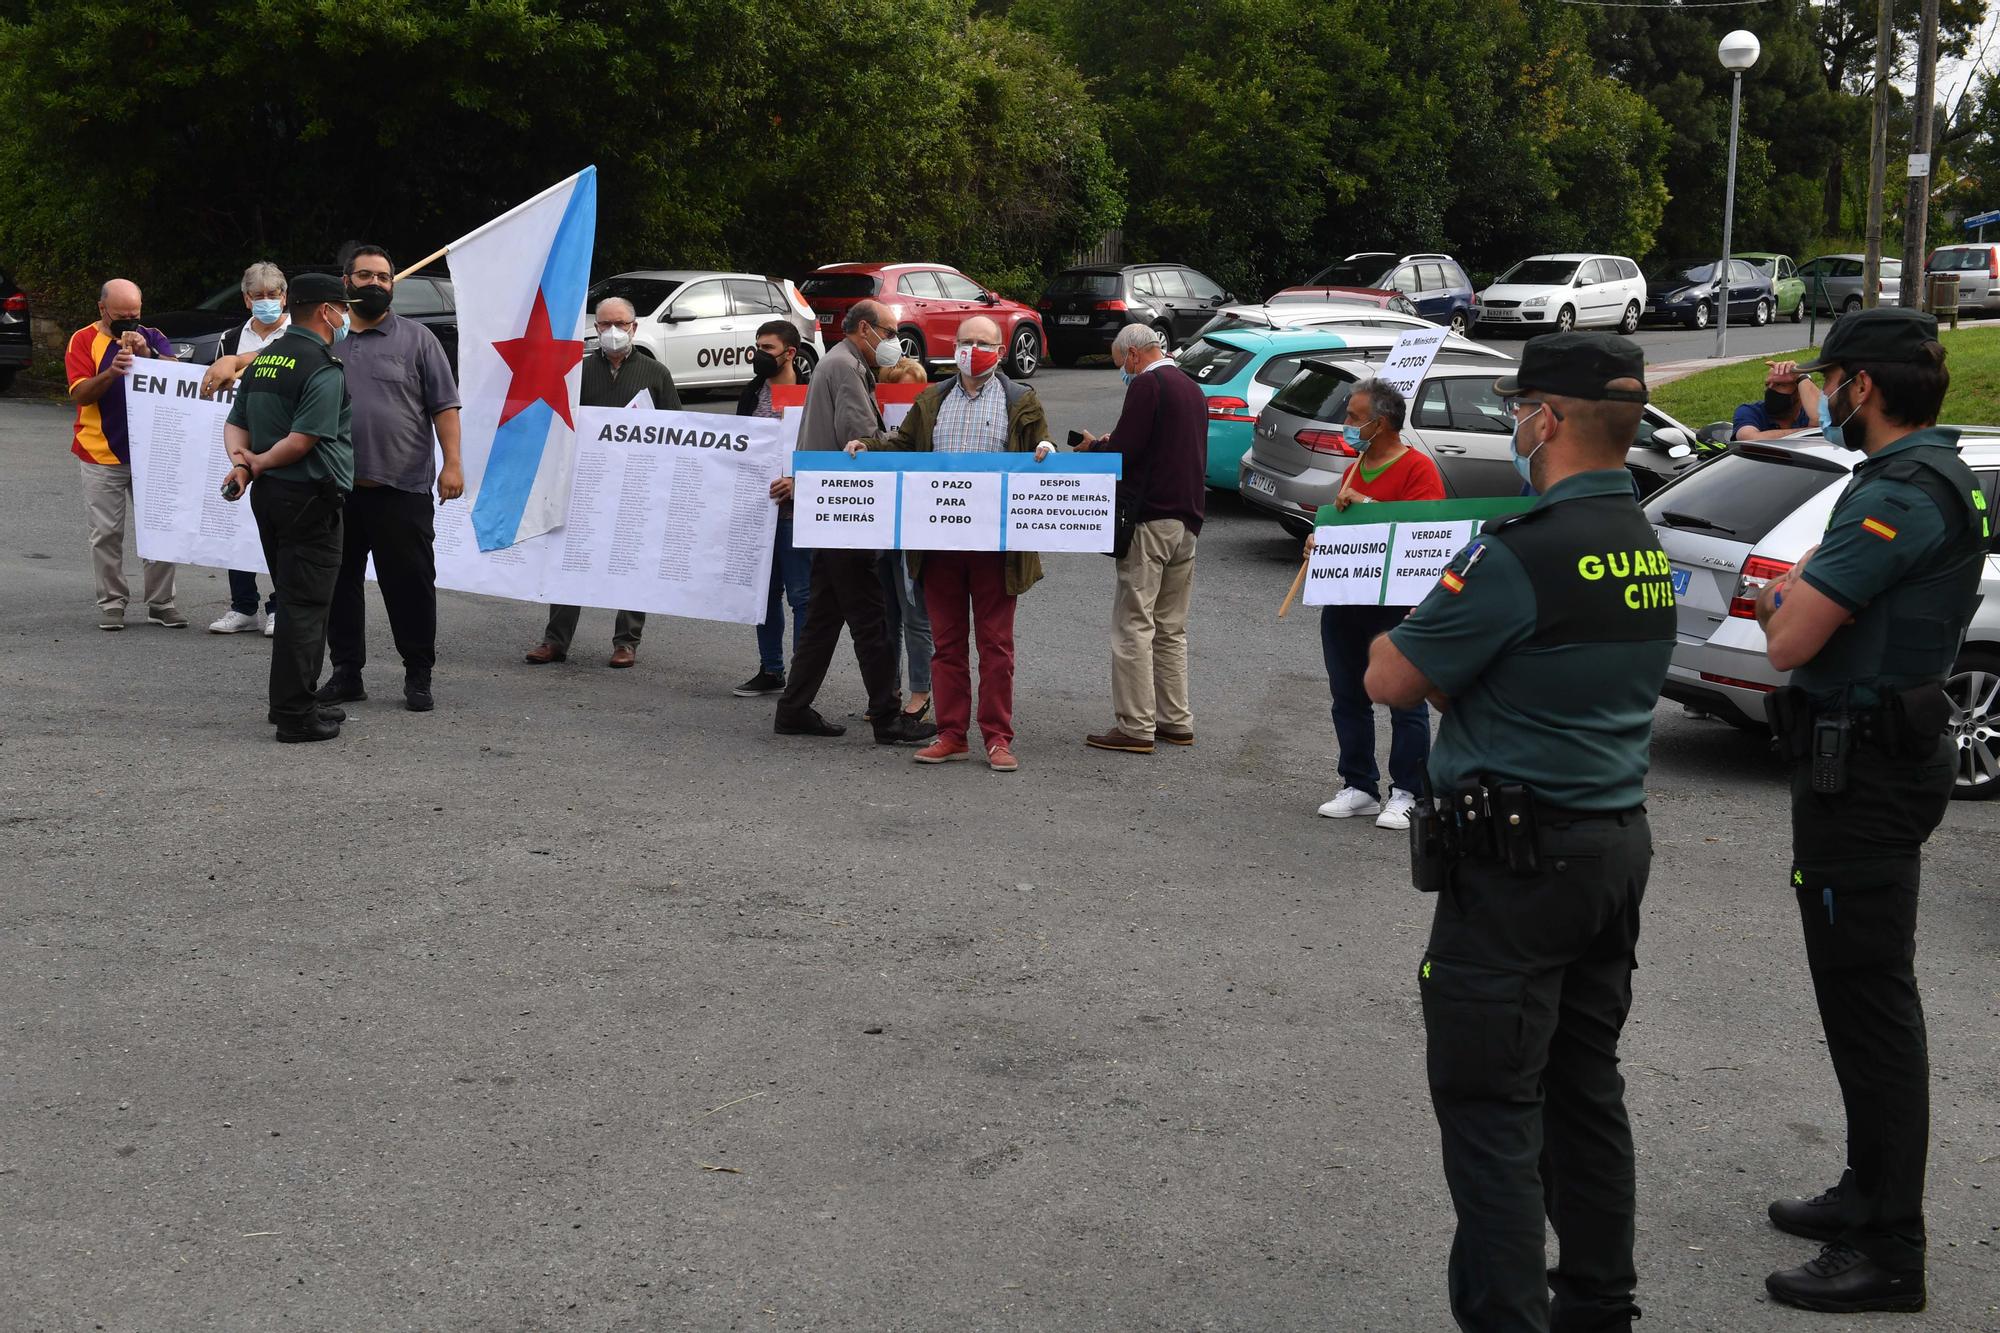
pixel 1782 409
pixel 763 365
pixel 370 302
pixel 121 327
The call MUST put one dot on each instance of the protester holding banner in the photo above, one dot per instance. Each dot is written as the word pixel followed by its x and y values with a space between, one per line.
pixel 979 410
pixel 776 365
pixel 1163 434
pixel 403 391
pixel 290 440
pixel 264 294
pixel 612 377
pixel 100 356
pixel 1387 469
pixel 902 596
pixel 846 590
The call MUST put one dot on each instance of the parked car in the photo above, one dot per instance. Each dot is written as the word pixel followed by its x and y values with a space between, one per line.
pixel 1239 369
pixel 1833 282
pixel 1561 292
pixel 1313 315
pixel 702 325
pixel 1978 270
pixel 928 303
pixel 1744 518
pixel 1085 307
pixel 1785 281
pixel 15 347
pixel 1684 291
pixel 1434 284
pixel 196 332
pixel 1394 302
pixel 1298 455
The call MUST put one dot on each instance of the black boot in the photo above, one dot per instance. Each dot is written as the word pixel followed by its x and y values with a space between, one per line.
pixel 327 713
pixel 417 692
pixel 319 729
pixel 342 689
pixel 1817 1218
pixel 1845 1281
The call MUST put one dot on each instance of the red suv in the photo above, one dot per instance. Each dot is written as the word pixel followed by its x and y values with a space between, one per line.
pixel 928 302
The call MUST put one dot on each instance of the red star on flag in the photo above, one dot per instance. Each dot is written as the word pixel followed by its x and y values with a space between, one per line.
pixel 540 361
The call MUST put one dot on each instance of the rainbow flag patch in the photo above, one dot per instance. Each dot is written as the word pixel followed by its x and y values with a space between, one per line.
pixel 1879 528
pixel 1452 582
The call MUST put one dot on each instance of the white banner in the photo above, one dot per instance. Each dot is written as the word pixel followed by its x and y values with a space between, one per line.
pixel 669 512
pixel 883 501
pixel 1382 564
pixel 1410 360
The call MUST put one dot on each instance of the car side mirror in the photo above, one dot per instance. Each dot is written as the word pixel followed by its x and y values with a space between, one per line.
pixel 988 298
pixel 1716 432
pixel 672 317
pixel 1674 441
pixel 1220 298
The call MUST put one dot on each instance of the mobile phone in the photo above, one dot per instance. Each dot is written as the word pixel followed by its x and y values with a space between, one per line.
pixel 1076 439
pixel 230 488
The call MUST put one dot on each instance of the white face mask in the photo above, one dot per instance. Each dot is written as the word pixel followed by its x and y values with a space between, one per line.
pixel 887 353
pixel 614 341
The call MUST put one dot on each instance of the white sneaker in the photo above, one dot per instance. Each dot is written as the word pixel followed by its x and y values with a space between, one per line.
pixel 1352 801
pixel 234 622
pixel 270 623
pixel 1396 813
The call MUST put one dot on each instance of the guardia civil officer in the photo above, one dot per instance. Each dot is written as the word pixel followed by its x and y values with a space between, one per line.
pixel 1544 646
pixel 1868 624
pixel 291 443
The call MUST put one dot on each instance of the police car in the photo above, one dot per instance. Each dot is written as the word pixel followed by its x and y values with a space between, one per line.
pixel 1745 517
pixel 703 325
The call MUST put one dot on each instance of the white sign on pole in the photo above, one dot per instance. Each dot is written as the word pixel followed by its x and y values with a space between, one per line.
pixel 1382 564
pixel 1920 165
pixel 1410 359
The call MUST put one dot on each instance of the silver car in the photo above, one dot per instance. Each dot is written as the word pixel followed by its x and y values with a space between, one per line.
pixel 1297 456
pixel 1833 282
pixel 1745 517
pixel 1977 267
pixel 703 325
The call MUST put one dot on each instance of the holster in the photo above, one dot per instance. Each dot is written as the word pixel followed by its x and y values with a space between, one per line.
pixel 1789 712
pixel 1433 844
pixel 1912 720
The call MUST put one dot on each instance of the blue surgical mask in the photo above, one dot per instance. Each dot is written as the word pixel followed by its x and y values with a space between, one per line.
pixel 1126 376
pixel 1352 434
pixel 340 330
pixel 1836 435
pixel 1523 463
pixel 267 311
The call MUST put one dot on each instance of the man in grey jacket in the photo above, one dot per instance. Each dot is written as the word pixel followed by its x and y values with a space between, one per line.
pixel 840 406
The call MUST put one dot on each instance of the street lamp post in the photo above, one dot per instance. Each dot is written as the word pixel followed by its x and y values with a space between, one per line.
pixel 1738 52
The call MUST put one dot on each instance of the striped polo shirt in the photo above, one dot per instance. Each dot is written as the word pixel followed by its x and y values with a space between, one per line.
pixel 99 434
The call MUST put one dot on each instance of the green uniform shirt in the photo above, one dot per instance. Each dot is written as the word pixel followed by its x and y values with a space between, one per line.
pixel 1889 557
pixel 1550 634
pixel 266 407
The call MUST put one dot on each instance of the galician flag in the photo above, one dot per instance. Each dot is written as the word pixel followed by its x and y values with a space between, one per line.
pixel 520 283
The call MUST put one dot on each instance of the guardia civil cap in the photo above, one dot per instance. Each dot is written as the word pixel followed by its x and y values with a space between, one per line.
pixel 1886 333
pixel 1578 365
pixel 316 288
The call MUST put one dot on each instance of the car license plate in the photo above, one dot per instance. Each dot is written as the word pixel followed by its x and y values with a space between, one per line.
pixel 1072 319
pixel 1260 483
pixel 1682 579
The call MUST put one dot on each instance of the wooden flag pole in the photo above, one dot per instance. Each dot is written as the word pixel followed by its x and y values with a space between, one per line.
pixel 430 258
pixel 1297 583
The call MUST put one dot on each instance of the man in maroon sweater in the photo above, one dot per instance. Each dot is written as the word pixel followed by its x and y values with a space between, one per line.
pixel 1163 434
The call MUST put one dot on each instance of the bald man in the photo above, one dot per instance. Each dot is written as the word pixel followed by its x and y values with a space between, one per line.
pixel 101 354
pixel 979 410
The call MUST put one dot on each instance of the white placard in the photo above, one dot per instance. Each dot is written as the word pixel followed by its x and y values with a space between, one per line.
pixel 1410 359
pixel 951 511
pixel 1382 564
pixel 178 464
pixel 853 511
pixel 1064 511
pixel 1919 165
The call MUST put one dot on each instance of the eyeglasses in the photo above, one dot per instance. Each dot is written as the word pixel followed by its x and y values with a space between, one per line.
pixel 604 324
pixel 980 346
pixel 1523 408
pixel 371 275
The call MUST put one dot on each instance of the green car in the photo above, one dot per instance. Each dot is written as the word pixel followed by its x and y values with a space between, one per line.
pixel 1784 275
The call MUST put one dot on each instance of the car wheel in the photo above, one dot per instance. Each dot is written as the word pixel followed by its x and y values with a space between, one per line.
pixel 805 359
pixel 1166 338
pixel 1799 311
pixel 1702 314
pixel 1565 319
pixel 913 345
pixel 1763 313
pixel 1630 324
pixel 1850 305
pixel 1027 351
pixel 1459 324
pixel 1974 690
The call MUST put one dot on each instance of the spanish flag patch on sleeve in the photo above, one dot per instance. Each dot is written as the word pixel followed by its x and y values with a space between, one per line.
pixel 1879 528
pixel 1452 582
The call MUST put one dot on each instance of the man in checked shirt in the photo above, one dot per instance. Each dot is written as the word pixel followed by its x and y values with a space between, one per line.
pixel 979 410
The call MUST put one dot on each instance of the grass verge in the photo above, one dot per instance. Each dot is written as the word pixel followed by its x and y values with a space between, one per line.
pixel 1971 353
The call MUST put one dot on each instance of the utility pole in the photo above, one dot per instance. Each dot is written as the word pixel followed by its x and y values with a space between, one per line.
pixel 1917 211
pixel 1878 154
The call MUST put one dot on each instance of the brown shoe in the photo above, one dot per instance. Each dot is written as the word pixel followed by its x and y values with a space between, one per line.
pixel 1174 737
pixel 542 654
pixel 1115 739
pixel 1001 759
pixel 621 656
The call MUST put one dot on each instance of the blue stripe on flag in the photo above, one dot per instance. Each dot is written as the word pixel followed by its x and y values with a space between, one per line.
pixel 566 278
pixel 510 476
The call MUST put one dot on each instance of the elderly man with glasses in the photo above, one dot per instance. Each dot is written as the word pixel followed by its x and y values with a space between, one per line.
pixel 979 410
pixel 612 377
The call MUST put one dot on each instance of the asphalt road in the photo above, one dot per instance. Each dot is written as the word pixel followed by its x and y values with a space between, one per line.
pixel 585 1002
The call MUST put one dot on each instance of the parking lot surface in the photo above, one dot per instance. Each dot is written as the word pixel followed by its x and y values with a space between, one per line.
pixel 586 1002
